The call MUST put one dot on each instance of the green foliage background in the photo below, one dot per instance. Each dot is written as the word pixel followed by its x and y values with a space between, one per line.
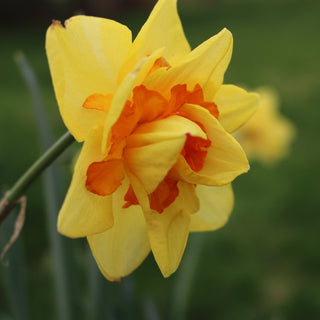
pixel 264 264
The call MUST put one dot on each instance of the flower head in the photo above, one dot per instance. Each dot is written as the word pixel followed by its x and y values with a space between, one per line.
pixel 267 135
pixel 155 118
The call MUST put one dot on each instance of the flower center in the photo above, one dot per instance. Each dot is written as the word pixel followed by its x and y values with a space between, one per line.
pixel 104 177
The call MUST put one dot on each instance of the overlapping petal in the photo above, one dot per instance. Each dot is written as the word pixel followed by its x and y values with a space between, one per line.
pixel 162 30
pixel 82 63
pixel 168 231
pixel 235 106
pixel 216 204
pixel 83 212
pixel 123 93
pixel 154 148
pixel 121 249
pixel 225 159
pixel 205 65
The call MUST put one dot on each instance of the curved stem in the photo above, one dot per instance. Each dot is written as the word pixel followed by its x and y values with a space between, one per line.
pixel 9 201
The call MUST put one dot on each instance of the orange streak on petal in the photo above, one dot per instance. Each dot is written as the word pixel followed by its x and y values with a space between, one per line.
pixel 164 195
pixel 196 96
pixel 130 198
pixel 116 149
pixel 159 63
pixel 98 101
pixel 148 103
pixel 178 97
pixel 103 178
pixel 211 107
pixel 161 198
pixel 126 123
pixel 194 152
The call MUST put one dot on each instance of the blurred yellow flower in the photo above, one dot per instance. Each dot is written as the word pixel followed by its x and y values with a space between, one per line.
pixel 267 136
pixel 155 117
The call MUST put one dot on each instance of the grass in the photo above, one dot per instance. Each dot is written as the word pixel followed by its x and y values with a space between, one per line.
pixel 264 264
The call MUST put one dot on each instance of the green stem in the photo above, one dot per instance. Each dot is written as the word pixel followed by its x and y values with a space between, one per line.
pixel 9 201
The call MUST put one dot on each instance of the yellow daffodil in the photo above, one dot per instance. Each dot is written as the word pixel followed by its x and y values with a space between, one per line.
pixel 155 118
pixel 267 135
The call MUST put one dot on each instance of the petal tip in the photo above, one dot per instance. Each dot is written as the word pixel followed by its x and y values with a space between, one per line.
pixel 167 271
pixel 227 33
pixel 56 23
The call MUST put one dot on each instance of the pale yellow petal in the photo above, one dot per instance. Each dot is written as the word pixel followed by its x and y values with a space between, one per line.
pixel 124 92
pixel 82 62
pixel 225 159
pixel 84 213
pixel 168 231
pixel 205 66
pixel 121 249
pixel 216 204
pixel 162 30
pixel 235 106
pixel 154 148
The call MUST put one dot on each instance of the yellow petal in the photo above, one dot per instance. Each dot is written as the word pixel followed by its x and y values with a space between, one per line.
pixel 84 213
pixel 154 148
pixel 121 249
pixel 205 65
pixel 124 91
pixel 139 191
pixel 162 30
pixel 168 231
pixel 235 106
pixel 225 159
pixel 82 62
pixel 216 204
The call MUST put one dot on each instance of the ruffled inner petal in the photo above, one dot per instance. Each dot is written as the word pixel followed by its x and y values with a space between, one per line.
pixel 153 149
pixel 225 159
pixel 123 94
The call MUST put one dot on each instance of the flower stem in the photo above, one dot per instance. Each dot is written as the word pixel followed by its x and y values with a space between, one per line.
pixel 9 201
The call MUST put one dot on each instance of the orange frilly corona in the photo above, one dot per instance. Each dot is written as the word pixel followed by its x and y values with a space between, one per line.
pixel 155 118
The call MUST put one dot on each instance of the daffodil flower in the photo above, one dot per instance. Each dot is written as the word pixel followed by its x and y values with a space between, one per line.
pixel 155 117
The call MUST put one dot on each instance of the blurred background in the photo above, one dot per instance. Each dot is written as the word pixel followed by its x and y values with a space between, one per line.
pixel 264 264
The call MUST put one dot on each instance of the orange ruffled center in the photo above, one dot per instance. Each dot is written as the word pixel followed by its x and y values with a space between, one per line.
pixel 104 177
pixel 161 198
